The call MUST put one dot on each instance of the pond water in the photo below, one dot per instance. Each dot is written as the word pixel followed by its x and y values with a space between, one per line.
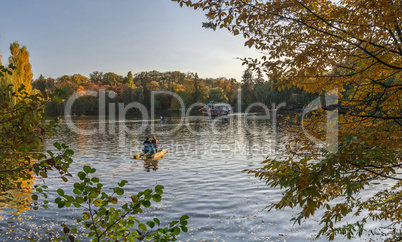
pixel 202 175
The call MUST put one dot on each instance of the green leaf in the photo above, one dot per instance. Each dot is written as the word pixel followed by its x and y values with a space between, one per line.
pixel 143 227
pixel 87 169
pixel 173 223
pixel 147 192
pixel 43 174
pixel 151 224
pixel 86 215
pixel 57 145
pixel 159 187
pixel 146 204
pixel 61 204
pixel 113 200
pixel 158 191
pixel 34 197
pixel 60 192
pixel 81 175
pixel 184 229
pixel 118 191
pixel 98 202
pixel 176 231
pixel 69 152
pixel 157 221
pixel 157 198
pixel 122 183
pixel 95 179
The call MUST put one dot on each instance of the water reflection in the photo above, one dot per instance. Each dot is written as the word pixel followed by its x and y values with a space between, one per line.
pixel 17 200
pixel 151 164
pixel 202 175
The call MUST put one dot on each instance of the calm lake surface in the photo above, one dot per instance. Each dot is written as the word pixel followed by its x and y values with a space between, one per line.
pixel 202 175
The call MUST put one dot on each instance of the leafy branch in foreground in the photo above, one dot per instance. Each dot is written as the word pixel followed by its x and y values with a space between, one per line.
pixel 22 129
pixel 312 184
pixel 351 49
pixel 106 222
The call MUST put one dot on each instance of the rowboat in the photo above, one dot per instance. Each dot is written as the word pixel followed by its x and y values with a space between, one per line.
pixel 156 156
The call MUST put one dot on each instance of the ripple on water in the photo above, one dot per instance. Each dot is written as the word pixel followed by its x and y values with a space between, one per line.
pixel 200 180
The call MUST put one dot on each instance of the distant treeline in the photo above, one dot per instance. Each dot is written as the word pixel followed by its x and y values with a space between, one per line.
pixel 138 87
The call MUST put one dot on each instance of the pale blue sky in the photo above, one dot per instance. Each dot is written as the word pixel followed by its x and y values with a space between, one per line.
pixel 77 36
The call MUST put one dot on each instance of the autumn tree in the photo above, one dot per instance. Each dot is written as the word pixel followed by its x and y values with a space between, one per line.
pixel 96 77
pixel 230 86
pixel 79 79
pixel 197 89
pixel 111 79
pixel 43 84
pixel 348 49
pixel 23 127
pixel 217 95
pixel 264 93
pixel 69 88
pixel 21 71
pixel 247 87
pixel 129 79
pixel 143 79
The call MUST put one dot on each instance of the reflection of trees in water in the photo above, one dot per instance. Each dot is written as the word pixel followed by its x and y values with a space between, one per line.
pixel 18 199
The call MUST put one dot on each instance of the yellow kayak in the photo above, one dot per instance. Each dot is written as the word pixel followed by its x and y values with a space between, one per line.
pixel 156 156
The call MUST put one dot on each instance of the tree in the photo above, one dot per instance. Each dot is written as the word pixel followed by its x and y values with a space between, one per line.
pixel 22 127
pixel 64 83
pixel 43 84
pixel 349 47
pixel 247 87
pixel 111 79
pixel 197 89
pixel 96 77
pixel 22 74
pixel 217 95
pixel 129 79
pixel 263 93
pixel 79 79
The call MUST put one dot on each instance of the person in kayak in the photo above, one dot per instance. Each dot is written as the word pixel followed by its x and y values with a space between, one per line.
pixel 154 143
pixel 148 146
pixel 162 119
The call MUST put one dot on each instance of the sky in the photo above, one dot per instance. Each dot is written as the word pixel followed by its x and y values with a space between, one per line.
pixel 67 37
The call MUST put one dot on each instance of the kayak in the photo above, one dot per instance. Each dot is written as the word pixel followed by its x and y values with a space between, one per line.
pixel 156 156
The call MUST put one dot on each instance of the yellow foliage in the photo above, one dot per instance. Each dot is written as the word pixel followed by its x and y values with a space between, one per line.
pixel 350 47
